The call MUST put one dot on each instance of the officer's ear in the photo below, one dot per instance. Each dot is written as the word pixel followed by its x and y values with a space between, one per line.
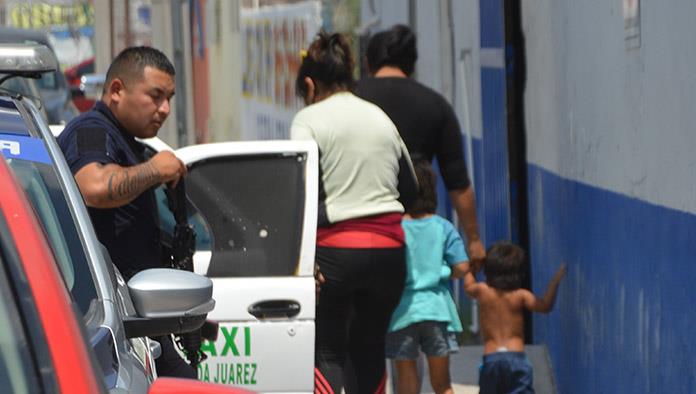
pixel 115 89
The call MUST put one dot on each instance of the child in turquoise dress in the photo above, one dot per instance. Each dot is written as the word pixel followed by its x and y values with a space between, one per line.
pixel 426 315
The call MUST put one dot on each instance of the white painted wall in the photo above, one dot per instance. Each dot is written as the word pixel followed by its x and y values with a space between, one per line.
pixel 162 37
pixel 224 50
pixel 388 12
pixel 467 37
pixel 430 46
pixel 102 37
pixel 616 118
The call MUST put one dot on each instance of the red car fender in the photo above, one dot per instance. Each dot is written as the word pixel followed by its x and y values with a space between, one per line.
pixel 188 386
pixel 71 363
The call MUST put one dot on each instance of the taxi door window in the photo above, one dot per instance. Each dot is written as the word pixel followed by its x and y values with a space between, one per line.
pixel 167 222
pixel 254 206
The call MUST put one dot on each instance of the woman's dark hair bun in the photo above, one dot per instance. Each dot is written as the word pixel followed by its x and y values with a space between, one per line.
pixel 329 62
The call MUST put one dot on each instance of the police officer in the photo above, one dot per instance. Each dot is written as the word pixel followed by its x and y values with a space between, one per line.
pixel 114 177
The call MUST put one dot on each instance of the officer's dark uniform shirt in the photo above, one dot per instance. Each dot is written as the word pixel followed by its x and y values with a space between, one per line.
pixel 426 123
pixel 130 232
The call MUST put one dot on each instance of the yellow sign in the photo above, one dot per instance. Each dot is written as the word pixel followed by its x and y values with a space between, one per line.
pixel 44 15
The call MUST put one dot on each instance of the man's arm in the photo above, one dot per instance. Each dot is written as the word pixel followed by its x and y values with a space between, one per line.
pixel 545 304
pixel 111 185
pixel 465 205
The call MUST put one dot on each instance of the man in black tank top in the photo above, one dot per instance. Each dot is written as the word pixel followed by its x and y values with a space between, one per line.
pixel 426 121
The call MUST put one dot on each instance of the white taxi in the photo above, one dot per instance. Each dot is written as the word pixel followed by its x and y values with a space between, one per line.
pixel 253 205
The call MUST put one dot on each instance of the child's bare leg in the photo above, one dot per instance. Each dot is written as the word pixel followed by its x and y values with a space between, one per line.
pixel 438 368
pixel 407 381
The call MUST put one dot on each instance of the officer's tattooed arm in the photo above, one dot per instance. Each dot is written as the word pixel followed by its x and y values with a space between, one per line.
pixel 111 185
pixel 130 182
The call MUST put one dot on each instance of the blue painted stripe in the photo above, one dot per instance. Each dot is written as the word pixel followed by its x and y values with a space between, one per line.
pixel 626 312
pixel 495 180
pixel 25 148
pixel 491 13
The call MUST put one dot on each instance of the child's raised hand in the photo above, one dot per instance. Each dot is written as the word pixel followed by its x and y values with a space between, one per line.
pixel 561 272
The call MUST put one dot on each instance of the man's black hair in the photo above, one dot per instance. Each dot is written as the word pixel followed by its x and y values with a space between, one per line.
pixel 130 64
pixel 504 266
pixel 394 47
pixel 426 202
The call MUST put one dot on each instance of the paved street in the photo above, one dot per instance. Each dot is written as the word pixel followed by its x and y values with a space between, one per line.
pixel 464 368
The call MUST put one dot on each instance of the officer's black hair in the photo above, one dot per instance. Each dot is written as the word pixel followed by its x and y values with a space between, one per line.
pixel 130 64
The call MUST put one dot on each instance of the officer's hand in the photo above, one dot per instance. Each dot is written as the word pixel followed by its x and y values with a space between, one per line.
pixel 169 167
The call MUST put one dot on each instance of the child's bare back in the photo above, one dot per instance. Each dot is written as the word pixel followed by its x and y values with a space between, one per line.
pixel 505 368
pixel 502 318
pixel 503 302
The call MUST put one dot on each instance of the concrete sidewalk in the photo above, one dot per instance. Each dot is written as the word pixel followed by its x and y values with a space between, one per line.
pixel 464 367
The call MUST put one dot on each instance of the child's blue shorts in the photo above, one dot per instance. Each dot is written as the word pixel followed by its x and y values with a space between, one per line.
pixel 429 336
pixel 505 372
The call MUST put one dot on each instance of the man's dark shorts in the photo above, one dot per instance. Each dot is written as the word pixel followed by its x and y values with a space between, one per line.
pixel 505 372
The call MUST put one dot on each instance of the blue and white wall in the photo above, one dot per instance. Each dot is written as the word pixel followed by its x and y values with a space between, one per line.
pixel 612 191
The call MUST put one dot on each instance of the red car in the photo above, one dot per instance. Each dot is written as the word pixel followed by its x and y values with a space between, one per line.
pixel 43 343
pixel 73 75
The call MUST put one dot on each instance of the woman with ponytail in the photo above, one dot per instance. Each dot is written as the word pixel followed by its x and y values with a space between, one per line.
pixel 365 174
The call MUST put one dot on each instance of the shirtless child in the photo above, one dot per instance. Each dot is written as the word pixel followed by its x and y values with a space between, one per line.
pixel 505 367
